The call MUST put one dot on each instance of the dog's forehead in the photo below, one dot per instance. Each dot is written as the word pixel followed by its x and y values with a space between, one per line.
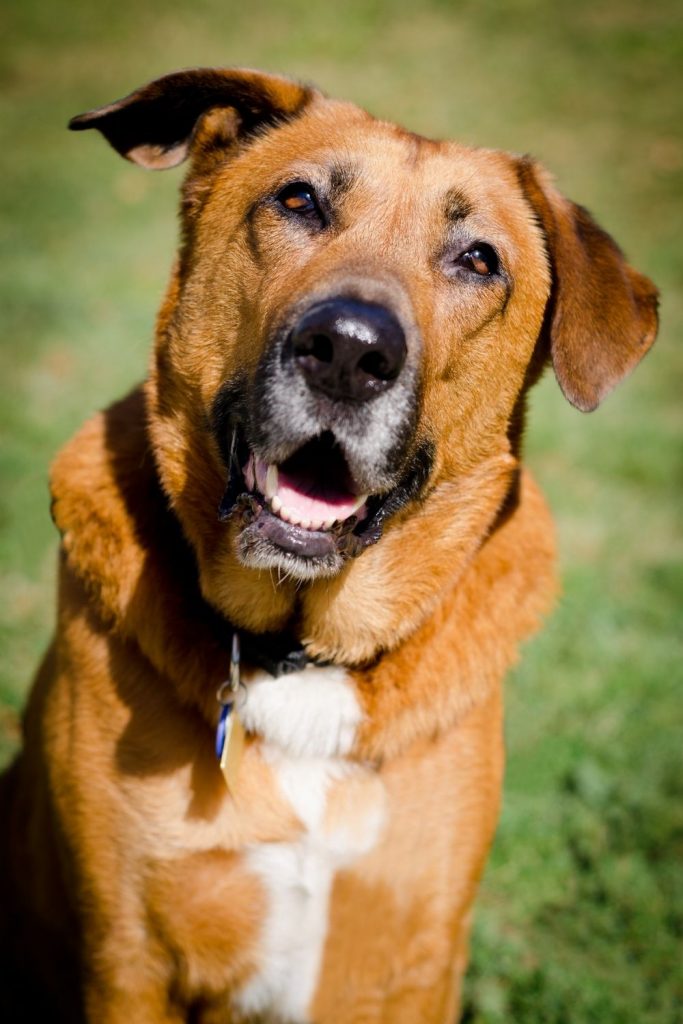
pixel 339 142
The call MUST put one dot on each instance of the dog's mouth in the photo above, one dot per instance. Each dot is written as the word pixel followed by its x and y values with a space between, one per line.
pixel 307 513
pixel 313 489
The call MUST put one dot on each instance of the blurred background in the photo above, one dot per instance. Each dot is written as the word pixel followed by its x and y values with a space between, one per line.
pixel 581 912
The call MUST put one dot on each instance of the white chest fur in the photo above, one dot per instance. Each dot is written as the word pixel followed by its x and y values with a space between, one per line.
pixel 308 722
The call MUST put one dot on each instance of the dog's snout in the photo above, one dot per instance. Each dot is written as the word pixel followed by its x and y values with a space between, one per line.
pixel 349 349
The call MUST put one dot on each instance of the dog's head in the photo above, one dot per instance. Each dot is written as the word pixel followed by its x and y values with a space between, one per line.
pixel 354 319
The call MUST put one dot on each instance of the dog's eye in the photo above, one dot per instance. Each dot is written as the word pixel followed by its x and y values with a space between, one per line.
pixel 299 198
pixel 481 259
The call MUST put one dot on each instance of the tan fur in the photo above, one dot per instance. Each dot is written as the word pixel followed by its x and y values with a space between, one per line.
pixel 126 848
pixel 402 964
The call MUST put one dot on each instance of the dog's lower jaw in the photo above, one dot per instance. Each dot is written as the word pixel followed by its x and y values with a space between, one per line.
pixel 258 550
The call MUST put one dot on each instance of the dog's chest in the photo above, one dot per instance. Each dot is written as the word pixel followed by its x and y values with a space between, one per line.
pixel 307 722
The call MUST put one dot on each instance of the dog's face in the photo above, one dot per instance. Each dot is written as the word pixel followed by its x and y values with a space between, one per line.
pixel 350 288
pixel 356 315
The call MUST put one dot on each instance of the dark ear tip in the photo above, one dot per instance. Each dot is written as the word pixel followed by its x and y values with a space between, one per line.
pixel 79 122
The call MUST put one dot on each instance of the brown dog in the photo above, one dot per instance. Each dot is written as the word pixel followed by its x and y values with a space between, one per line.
pixel 341 366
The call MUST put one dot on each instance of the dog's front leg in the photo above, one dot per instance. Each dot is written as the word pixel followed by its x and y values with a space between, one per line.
pixel 399 917
pixel 94 716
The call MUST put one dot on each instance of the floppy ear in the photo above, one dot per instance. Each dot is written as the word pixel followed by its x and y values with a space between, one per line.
pixel 155 125
pixel 602 314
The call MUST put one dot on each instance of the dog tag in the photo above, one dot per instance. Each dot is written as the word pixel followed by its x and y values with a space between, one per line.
pixel 230 731
pixel 233 745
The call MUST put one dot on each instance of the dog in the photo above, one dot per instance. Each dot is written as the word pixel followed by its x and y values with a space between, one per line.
pixel 263 754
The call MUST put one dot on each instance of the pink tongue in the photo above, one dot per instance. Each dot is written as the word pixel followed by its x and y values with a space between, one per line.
pixel 315 501
pixel 325 503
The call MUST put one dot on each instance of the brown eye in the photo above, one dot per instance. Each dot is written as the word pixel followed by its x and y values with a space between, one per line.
pixel 299 198
pixel 480 259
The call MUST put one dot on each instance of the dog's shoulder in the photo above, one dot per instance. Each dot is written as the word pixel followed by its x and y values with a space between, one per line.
pixel 125 547
pixel 104 493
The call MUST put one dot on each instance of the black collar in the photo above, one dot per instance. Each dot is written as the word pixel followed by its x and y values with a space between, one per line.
pixel 277 653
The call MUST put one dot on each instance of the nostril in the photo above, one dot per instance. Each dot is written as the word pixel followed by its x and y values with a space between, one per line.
pixel 375 365
pixel 314 346
pixel 322 348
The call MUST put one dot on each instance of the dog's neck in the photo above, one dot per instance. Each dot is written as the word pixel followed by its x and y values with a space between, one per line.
pixel 279 654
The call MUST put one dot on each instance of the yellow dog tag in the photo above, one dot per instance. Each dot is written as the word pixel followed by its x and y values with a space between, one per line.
pixel 233 747
pixel 230 732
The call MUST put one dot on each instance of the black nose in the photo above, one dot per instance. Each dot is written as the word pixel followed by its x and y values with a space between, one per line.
pixel 349 349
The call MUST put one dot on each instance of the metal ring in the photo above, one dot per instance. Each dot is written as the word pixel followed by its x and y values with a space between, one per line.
pixel 226 688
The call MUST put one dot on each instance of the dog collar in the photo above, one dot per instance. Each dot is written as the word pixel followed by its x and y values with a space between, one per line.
pixel 277 655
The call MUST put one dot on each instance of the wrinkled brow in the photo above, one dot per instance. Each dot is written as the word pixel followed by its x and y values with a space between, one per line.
pixel 342 178
pixel 456 205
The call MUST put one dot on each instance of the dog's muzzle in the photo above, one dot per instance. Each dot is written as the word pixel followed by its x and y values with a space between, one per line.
pixel 323 445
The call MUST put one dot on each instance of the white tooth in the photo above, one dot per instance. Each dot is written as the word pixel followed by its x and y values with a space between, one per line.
pixel 316 524
pixel 305 523
pixel 328 524
pixel 290 516
pixel 275 504
pixel 362 498
pixel 271 481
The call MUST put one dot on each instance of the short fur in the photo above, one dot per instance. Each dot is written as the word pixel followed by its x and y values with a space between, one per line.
pixel 133 886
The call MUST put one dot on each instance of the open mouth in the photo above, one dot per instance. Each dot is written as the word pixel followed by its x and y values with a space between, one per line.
pixel 306 513
pixel 313 489
pixel 307 507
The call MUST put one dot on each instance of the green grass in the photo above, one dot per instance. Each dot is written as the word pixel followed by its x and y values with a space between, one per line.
pixel 581 913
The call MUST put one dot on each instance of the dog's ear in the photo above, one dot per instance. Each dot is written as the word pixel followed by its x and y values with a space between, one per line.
pixel 156 125
pixel 602 314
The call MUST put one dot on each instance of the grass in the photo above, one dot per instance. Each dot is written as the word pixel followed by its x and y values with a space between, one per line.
pixel 581 912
